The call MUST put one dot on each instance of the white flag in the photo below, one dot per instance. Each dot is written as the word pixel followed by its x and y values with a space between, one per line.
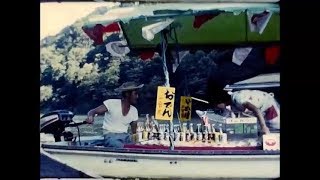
pixel 176 63
pixel 149 31
pixel 240 54
pixel 117 48
pixel 258 22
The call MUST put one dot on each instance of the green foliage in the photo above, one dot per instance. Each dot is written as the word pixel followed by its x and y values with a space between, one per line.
pixel 52 61
pixel 45 93
pixel 78 76
pixel 111 75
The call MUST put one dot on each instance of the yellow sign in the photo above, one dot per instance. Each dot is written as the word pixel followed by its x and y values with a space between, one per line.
pixel 165 103
pixel 185 108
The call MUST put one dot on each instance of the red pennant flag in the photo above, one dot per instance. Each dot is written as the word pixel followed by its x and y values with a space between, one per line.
pixel 114 27
pixel 96 33
pixel 146 55
pixel 201 19
pixel 272 54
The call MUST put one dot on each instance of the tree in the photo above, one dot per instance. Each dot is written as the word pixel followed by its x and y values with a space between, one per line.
pixel 45 93
pixel 50 58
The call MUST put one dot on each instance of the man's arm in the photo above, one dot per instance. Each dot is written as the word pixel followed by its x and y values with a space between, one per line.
pixel 98 110
pixel 259 115
pixel 134 125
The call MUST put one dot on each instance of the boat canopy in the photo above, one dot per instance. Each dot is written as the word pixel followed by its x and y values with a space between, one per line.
pixel 190 24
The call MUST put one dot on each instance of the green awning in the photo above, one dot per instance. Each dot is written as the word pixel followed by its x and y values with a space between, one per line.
pixel 230 26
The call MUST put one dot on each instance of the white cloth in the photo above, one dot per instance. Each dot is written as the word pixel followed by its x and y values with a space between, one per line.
pixel 114 121
pixel 260 23
pixel 115 48
pixel 263 101
pixel 148 32
pixel 240 54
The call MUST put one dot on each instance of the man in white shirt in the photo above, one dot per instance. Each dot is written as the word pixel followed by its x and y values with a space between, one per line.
pixel 119 114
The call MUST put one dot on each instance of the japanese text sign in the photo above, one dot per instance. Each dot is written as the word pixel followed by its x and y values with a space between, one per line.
pixel 165 103
pixel 185 108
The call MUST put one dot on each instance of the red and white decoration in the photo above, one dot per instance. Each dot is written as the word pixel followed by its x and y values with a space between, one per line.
pixel 258 21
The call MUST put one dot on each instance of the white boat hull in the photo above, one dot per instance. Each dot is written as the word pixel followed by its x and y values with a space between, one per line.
pixel 165 165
